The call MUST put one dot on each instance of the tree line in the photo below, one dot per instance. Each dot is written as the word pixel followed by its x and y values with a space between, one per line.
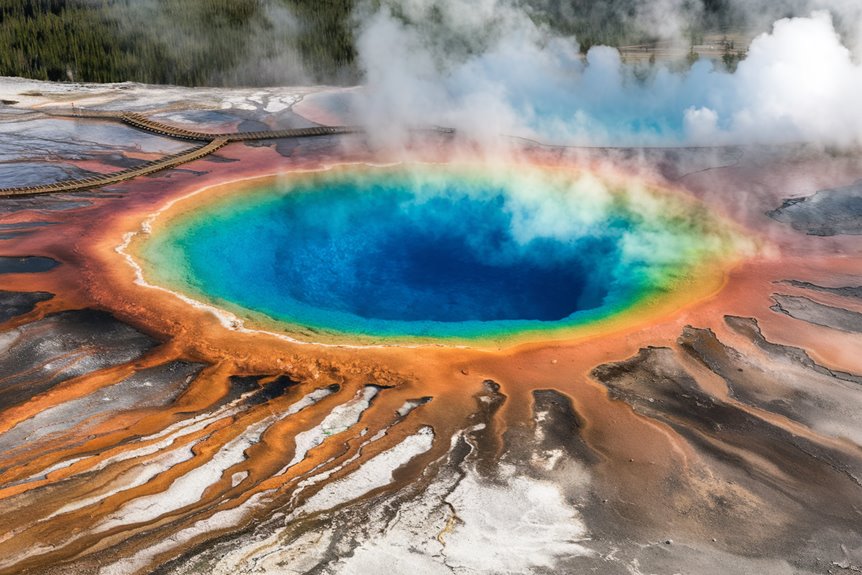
pixel 242 42
pixel 184 42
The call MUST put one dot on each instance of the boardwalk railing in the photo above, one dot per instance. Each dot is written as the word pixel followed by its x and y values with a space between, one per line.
pixel 155 127
pixel 79 185
pixel 214 141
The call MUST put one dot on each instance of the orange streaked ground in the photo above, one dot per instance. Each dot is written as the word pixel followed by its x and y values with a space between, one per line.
pixel 651 476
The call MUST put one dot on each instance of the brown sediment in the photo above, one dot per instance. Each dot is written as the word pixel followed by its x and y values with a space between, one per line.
pixel 676 441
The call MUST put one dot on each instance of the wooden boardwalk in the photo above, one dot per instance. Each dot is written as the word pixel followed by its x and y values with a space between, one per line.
pixel 155 127
pixel 209 144
pixel 79 185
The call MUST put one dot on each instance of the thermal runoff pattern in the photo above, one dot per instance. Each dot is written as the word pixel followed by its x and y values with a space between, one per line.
pixel 491 298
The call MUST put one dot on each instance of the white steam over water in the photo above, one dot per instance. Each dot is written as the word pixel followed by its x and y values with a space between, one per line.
pixel 486 68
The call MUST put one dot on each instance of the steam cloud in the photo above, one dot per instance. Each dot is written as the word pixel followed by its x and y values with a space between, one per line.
pixel 487 68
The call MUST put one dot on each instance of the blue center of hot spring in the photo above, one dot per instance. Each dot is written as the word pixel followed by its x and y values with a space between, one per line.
pixel 385 255
pixel 382 256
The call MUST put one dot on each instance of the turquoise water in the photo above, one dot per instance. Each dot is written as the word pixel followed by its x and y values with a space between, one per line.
pixel 393 253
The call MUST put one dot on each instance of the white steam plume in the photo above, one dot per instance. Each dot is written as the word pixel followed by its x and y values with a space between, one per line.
pixel 486 68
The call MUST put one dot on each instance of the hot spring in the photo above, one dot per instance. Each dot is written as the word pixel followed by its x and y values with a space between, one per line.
pixel 425 252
